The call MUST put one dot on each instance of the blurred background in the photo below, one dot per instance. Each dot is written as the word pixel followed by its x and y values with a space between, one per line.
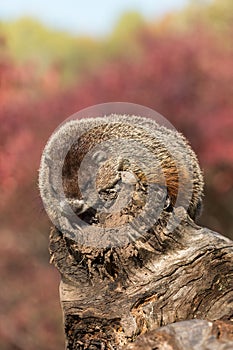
pixel 59 57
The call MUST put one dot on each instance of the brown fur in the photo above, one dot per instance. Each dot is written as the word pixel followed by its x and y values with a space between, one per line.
pixel 173 154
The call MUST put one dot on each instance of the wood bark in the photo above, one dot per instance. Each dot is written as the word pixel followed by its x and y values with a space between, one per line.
pixel 187 335
pixel 120 297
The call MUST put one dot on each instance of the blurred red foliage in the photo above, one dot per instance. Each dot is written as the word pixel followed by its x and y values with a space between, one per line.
pixel 186 77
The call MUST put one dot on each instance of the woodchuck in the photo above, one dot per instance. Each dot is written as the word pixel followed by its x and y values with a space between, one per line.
pixel 106 171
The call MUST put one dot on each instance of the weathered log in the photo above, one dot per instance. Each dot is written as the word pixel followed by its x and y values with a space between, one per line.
pixel 172 271
pixel 110 297
pixel 187 335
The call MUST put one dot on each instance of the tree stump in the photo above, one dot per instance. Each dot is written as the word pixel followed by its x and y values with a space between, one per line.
pixel 109 298
pixel 139 262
